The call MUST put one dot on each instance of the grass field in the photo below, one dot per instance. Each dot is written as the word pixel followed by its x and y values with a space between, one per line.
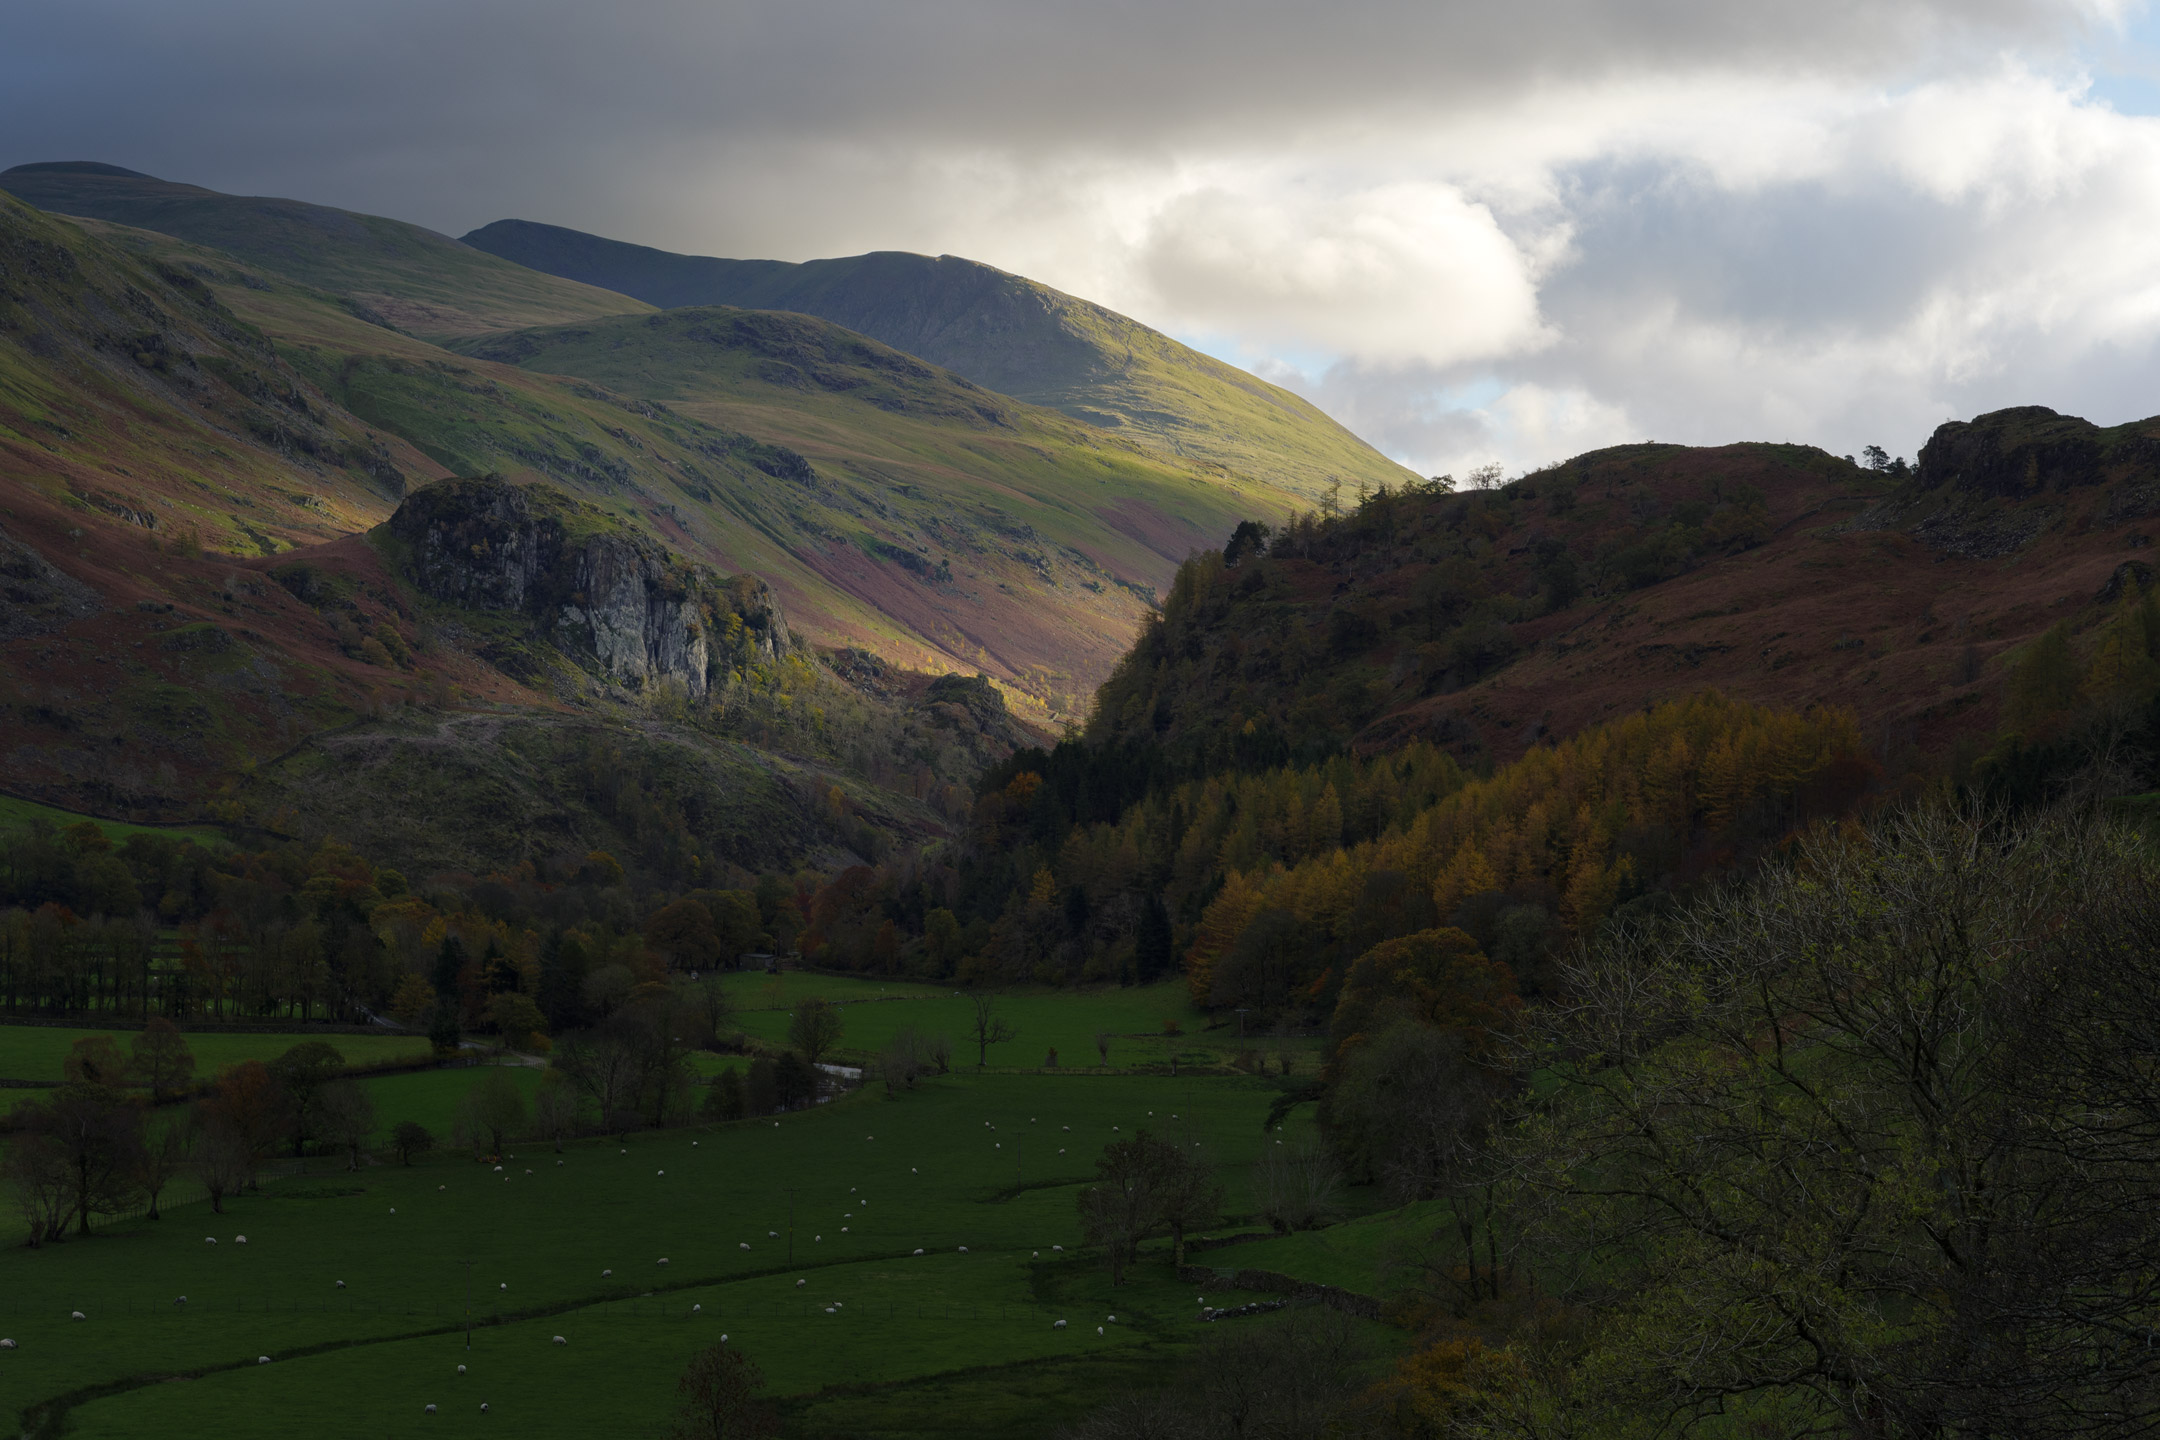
pixel 872 1011
pixel 962 1341
pixel 16 814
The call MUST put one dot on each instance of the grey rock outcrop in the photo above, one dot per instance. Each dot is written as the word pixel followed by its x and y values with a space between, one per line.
pixel 609 598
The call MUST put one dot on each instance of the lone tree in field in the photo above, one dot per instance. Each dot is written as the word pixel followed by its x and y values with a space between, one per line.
pixel 493 1108
pixel 1188 1195
pixel 1125 1204
pixel 988 1029
pixel 160 1060
pixel 409 1139
pixel 815 1029
pixel 348 1118
pixel 302 1072
pixel 719 1399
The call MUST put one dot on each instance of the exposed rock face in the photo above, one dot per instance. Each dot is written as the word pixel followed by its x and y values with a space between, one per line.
pixel 609 598
pixel 2027 451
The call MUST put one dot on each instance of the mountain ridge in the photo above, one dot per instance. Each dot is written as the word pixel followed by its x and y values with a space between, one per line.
pixel 1005 332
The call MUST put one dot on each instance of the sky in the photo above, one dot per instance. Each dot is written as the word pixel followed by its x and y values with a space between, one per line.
pixel 1503 232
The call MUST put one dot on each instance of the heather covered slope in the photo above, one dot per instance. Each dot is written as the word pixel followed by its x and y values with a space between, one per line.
pixel 1778 574
pixel 406 275
pixel 895 507
pixel 1004 332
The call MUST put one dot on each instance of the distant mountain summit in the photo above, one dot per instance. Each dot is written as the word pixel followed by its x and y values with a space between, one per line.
pixel 405 275
pixel 1004 332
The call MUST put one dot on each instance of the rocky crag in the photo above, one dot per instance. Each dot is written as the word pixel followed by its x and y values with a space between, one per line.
pixel 608 598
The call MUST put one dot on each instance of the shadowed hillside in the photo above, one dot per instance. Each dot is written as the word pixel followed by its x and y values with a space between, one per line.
pixel 1002 331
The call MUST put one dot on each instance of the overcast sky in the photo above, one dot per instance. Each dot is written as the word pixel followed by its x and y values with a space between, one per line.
pixel 1506 231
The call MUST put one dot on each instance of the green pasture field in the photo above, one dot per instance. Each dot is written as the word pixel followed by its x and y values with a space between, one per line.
pixel 872 1011
pixel 1362 1254
pixel 35 1052
pixel 431 1097
pixel 962 1342
pixel 18 814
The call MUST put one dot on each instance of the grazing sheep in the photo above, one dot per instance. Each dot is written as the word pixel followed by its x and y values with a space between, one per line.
pixel 341 1284
pixel 1111 1318
pixel 483 1407
pixel 800 1283
pixel 723 1339
pixel 828 1309
pixel 663 1259
pixel 816 1238
pixel 505 1285
pixel 429 1411
pixel 663 1172
pixel 604 1274
pixel 393 1209
pixel 1057 1247
pixel 239 1239
pixel 1098 1329
pixel 209 1239
pixel 560 1341
pixel 461 1369
pixel 693 1144
pixel 7 1344
pixel 963 1249
pixel 694 1309
pixel 1057 1325
pixel 498 1169
pixel 772 1234
pixel 181 1301
pixel 918 1250
pixel 262 1359
pixel 843 1229
pixel 745 1244
pixel 1035 1255
pixel 77 1315
pixel 442 1187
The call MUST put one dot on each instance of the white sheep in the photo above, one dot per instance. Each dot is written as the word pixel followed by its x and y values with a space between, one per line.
pixel 1057 1247
pixel 800 1283
pixel 461 1369
pixel 393 1209
pixel 429 1411
pixel 498 1169
pixel 181 1301
pixel 77 1315
pixel 340 1285
pixel 1111 1318
pixel 772 1234
pixel 693 1144
pixel 504 1286
pixel 7 1344
pixel 209 1239
pixel 816 1238
pixel 745 1244
pixel 605 1274
pixel 239 1239
pixel 843 1229
pixel 829 1310
pixel 963 1249
pixel 663 1259
pixel 560 1341
pixel 918 1250
pixel 483 1407
pixel 663 1172
pixel 262 1359
pixel 1057 1325
pixel 1098 1329
pixel 723 1339
pixel 695 1309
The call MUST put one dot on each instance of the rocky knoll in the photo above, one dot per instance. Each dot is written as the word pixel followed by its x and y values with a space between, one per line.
pixel 595 590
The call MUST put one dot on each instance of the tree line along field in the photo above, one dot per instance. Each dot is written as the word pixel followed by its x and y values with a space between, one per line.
pixel 963 1161
pixel 1135 1020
